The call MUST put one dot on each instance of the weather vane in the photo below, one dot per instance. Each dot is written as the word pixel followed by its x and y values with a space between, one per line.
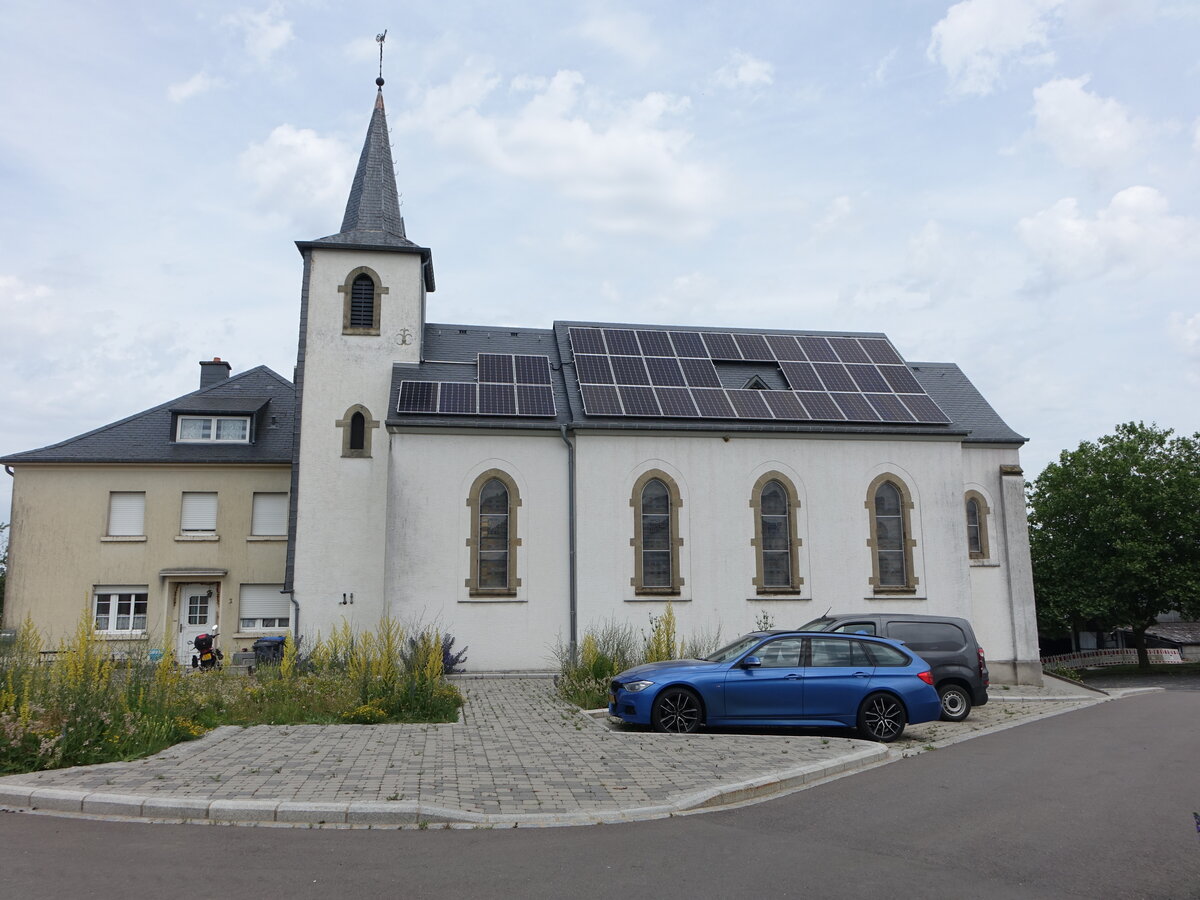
pixel 379 39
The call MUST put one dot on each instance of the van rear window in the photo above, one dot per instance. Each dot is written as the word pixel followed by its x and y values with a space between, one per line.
pixel 940 637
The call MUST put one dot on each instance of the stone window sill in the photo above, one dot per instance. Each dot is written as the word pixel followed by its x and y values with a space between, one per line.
pixel 266 538
pixel 196 538
pixel 984 564
pixel 123 539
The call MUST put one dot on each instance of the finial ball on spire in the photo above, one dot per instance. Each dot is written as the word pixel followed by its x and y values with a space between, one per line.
pixel 379 81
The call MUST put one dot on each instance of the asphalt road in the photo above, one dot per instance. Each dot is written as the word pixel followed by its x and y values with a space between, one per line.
pixel 1096 803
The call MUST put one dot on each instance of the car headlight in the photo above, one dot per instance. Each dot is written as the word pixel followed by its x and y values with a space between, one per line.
pixel 636 686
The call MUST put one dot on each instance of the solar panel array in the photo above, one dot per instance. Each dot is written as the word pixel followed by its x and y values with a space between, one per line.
pixel 673 374
pixel 506 384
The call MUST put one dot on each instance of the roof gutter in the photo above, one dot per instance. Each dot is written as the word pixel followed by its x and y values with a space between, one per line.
pixel 572 591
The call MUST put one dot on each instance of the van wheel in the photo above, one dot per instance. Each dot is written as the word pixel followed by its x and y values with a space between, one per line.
pixel 956 702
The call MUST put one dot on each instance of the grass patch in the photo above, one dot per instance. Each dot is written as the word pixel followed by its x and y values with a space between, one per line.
pixel 84 707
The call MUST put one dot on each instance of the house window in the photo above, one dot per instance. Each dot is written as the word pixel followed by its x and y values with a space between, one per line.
pixel 493 543
pixel 775 543
pixel 270 515
pixel 223 429
pixel 198 513
pixel 127 513
pixel 362 294
pixel 357 426
pixel 656 540
pixel 120 609
pixel 891 542
pixel 262 607
pixel 977 533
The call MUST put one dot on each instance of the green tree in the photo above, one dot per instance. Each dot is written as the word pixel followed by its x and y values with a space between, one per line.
pixel 1115 532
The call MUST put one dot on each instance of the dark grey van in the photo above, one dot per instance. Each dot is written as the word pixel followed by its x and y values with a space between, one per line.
pixel 948 644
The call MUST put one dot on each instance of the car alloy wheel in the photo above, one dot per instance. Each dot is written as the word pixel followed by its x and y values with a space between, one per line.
pixel 881 718
pixel 676 710
pixel 956 704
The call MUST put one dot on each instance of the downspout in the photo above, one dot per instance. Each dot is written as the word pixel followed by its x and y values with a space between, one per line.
pixel 295 617
pixel 574 611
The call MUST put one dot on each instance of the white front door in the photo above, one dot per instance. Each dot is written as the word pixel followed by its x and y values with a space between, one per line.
pixel 197 615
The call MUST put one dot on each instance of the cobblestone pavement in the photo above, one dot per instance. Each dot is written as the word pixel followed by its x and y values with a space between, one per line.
pixel 520 755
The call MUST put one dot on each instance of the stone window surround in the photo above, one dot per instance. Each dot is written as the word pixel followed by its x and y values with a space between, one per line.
pixel 514 502
pixel 346 289
pixel 906 507
pixel 369 424
pixel 794 542
pixel 675 502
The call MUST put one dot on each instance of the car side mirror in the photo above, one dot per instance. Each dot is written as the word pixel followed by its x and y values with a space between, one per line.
pixel 751 662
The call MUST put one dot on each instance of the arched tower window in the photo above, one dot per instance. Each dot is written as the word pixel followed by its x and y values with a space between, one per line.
pixel 362 296
pixel 891 542
pixel 656 540
pixel 776 545
pixel 357 426
pixel 493 543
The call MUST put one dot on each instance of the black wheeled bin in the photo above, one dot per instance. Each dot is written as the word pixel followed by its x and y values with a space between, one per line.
pixel 269 649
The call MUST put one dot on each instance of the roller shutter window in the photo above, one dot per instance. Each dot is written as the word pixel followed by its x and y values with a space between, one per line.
pixel 262 606
pixel 199 513
pixel 127 513
pixel 270 516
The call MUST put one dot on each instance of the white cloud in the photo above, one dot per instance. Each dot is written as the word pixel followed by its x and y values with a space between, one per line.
pixel 299 174
pixel 200 83
pixel 839 210
pixel 1186 332
pixel 879 76
pixel 263 32
pixel 744 70
pixel 627 34
pixel 1084 129
pixel 1196 136
pixel 624 160
pixel 977 37
pixel 1132 235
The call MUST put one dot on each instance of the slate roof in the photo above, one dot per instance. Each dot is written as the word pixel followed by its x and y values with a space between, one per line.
pixel 450 355
pixel 148 437
pixel 372 220
pixel 1178 632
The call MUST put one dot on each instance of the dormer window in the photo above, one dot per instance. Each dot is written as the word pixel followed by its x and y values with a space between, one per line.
pixel 222 429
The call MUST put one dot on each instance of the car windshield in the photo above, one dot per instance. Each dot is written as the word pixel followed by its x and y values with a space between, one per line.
pixel 734 650
pixel 817 624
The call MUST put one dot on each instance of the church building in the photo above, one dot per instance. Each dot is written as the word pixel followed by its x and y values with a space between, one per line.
pixel 518 486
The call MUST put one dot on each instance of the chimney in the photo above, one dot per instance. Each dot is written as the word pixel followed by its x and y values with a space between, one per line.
pixel 213 372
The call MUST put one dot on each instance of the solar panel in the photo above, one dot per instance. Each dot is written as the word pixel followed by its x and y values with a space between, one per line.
pixel 835 377
pixel 417 396
pixel 600 400
pixel 700 373
pixel 817 348
pixel 868 379
pixel 801 376
pixel 784 346
pixel 664 370
pixel 713 404
pixel 749 404
pixel 721 345
pixel 856 407
pixel 676 402
pixel 688 343
pixel 621 341
pixel 587 340
pixel 880 351
pixel 497 400
pixel 753 346
pixel 848 350
pixel 655 343
pixel 456 397
pixel 784 405
pixel 901 380
pixel 925 410
pixel 532 369
pixel 535 400
pixel 629 370
pixel 890 408
pixel 494 368
pixel 593 369
pixel 821 406
pixel 639 401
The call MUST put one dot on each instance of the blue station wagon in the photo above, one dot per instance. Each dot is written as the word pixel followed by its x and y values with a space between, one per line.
pixel 783 678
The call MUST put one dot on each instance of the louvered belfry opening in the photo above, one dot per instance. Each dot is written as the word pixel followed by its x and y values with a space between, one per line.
pixel 362 302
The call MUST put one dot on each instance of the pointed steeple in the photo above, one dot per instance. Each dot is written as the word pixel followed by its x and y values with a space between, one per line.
pixel 373 208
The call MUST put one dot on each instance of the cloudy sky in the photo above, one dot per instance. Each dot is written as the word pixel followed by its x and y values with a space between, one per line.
pixel 1006 184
